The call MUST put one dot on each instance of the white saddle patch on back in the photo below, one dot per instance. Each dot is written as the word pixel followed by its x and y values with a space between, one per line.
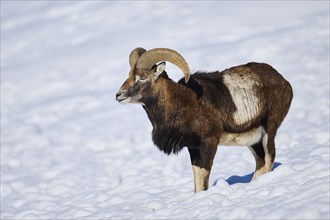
pixel 242 139
pixel 241 90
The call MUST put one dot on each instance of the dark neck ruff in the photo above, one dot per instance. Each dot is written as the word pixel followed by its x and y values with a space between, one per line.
pixel 169 136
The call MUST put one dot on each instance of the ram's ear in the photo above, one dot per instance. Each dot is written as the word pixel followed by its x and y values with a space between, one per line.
pixel 160 68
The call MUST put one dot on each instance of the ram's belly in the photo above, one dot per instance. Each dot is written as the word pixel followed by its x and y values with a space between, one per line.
pixel 242 139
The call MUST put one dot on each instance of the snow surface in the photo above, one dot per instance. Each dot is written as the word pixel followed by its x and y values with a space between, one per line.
pixel 70 151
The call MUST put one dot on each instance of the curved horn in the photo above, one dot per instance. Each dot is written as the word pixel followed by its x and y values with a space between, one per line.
pixel 153 56
pixel 135 55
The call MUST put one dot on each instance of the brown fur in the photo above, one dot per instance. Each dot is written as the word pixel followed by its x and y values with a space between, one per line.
pixel 195 114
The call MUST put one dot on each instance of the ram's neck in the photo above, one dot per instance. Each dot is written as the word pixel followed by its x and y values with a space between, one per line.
pixel 168 103
pixel 170 110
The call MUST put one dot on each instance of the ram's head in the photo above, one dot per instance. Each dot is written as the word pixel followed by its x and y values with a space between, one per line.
pixel 145 71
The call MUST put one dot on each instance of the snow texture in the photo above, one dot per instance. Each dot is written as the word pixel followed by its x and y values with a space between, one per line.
pixel 70 151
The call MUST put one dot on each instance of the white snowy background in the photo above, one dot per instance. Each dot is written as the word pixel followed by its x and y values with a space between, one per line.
pixel 70 151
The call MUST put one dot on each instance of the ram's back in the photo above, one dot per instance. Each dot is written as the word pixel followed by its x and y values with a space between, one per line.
pixel 242 93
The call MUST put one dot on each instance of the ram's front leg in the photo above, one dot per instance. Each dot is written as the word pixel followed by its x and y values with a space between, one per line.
pixel 202 161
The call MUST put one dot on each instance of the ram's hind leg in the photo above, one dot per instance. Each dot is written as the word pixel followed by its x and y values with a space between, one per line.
pixel 268 142
pixel 202 161
pixel 264 154
pixel 259 155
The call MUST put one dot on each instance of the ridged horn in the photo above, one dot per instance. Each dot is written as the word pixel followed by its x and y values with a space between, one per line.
pixel 153 56
pixel 135 55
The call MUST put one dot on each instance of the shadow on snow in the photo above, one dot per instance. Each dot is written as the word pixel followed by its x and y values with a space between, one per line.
pixel 243 179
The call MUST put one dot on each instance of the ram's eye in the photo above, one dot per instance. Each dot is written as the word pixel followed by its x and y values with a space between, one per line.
pixel 143 79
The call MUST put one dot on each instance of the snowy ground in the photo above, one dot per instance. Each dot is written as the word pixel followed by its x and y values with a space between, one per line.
pixel 70 151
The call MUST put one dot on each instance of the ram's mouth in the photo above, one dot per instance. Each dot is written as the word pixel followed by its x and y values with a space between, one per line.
pixel 124 100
